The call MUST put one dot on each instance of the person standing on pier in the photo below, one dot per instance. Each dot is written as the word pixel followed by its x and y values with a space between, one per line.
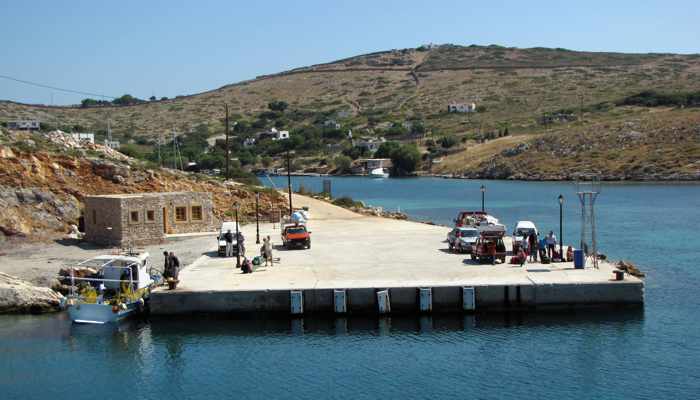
pixel 551 243
pixel 228 237
pixel 533 242
pixel 267 251
pixel 174 266
pixel 239 243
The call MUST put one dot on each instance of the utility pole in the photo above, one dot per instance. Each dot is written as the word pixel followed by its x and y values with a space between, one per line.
pixel 289 183
pixel 228 151
pixel 257 217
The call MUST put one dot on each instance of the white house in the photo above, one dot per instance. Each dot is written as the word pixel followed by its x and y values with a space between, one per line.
pixel 30 125
pixel 282 135
pixel 84 137
pixel 112 144
pixel 461 107
pixel 331 123
pixel 371 144
pixel 273 134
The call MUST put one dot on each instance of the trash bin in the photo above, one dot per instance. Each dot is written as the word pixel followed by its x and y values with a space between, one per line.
pixel 579 259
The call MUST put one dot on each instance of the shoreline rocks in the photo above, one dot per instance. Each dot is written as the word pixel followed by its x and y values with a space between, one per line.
pixel 19 296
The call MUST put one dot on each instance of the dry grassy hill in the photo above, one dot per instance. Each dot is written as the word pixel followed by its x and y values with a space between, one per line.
pixel 513 87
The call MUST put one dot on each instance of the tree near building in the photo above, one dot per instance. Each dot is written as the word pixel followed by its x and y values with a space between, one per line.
pixel 342 164
pixel 405 159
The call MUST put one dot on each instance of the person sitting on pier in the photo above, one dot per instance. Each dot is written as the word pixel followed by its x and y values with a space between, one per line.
pixel 569 254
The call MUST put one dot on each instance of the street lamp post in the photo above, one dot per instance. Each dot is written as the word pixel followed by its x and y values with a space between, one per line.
pixel 257 217
pixel 238 237
pixel 561 229
pixel 483 193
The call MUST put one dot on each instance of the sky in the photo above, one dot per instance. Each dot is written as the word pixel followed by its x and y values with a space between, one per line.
pixel 169 48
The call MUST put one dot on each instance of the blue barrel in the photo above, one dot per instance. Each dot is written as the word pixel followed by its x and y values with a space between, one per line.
pixel 579 259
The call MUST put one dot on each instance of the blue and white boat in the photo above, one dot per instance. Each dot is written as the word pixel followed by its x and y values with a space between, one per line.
pixel 118 290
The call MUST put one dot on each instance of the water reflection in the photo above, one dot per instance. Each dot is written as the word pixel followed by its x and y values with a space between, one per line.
pixel 622 321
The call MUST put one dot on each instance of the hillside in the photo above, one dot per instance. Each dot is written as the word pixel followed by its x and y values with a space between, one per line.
pixel 388 93
pixel 42 185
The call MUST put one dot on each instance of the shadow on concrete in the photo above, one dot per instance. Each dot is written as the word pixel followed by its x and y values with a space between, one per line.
pixel 81 244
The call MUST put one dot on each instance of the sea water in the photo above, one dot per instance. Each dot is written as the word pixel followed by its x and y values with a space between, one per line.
pixel 650 353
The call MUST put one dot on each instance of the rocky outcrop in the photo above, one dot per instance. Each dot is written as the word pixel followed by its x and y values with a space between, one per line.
pixel 18 296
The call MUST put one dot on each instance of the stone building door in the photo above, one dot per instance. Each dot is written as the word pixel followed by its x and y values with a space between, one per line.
pixel 165 220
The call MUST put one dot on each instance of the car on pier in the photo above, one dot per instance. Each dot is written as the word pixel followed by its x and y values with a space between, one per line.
pixel 296 235
pixel 462 239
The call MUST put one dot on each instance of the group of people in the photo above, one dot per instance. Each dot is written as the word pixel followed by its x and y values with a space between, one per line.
pixel 533 246
pixel 265 254
pixel 240 240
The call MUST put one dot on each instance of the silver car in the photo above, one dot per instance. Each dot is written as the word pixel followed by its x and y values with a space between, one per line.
pixel 461 239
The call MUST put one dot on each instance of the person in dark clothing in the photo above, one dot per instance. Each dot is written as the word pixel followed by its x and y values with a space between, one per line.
pixel 166 265
pixel 239 242
pixel 228 237
pixel 174 266
pixel 533 246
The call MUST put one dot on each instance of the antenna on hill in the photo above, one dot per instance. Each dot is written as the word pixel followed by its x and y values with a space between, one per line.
pixel 588 193
pixel 160 141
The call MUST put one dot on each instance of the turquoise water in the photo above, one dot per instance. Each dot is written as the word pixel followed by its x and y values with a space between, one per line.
pixel 652 353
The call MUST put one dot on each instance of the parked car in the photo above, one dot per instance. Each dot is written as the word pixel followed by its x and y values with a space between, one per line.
pixel 522 230
pixel 225 227
pixel 462 239
pixel 490 244
pixel 296 235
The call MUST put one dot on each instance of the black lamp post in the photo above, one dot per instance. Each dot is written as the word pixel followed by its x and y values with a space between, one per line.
pixel 289 182
pixel 561 229
pixel 257 217
pixel 238 237
pixel 483 192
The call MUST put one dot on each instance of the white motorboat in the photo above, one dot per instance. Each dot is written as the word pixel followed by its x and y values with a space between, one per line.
pixel 118 289
pixel 379 173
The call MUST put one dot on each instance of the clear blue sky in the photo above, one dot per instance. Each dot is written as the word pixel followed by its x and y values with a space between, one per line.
pixel 166 48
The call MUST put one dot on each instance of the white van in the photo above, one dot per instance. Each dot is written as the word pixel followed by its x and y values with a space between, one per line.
pixel 225 227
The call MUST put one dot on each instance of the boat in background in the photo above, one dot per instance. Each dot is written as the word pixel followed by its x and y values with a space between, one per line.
pixel 379 173
pixel 117 289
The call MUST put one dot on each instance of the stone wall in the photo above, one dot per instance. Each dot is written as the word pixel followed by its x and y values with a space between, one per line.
pixel 103 222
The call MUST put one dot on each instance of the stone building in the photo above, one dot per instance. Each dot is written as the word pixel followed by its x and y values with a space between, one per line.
pixel 146 218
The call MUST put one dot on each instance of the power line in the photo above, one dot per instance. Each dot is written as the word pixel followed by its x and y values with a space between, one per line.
pixel 41 85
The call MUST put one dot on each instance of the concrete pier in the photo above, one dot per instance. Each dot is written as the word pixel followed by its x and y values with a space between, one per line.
pixel 364 255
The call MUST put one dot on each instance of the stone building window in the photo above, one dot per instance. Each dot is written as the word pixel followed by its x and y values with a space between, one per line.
pixel 134 216
pixel 180 214
pixel 150 215
pixel 196 213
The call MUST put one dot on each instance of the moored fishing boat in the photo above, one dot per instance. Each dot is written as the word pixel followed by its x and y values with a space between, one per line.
pixel 117 289
pixel 379 173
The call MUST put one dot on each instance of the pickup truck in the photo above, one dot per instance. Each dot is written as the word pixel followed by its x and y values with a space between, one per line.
pixel 296 236
pixel 489 246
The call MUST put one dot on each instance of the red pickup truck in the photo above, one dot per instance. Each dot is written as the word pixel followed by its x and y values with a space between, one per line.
pixel 296 236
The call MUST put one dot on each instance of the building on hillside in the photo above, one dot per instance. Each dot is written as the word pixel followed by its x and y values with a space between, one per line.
pixel 331 123
pixel 249 142
pixel 364 166
pixel 112 144
pixel 84 137
pixel 146 218
pixel 273 134
pixel 461 107
pixel 28 125
pixel 371 144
